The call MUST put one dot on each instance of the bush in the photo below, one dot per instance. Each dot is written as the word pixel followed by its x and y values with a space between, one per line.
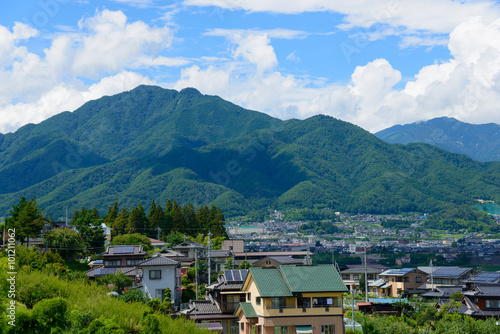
pixel 80 320
pixel 151 324
pixel 103 326
pixel 119 280
pixel 51 314
pixel 134 295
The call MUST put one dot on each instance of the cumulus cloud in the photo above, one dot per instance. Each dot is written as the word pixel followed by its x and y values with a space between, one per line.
pixel 104 50
pixel 465 87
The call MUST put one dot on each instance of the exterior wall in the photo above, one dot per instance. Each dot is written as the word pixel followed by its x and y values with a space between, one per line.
pixel 412 283
pixel 268 324
pixel 292 309
pixel 168 280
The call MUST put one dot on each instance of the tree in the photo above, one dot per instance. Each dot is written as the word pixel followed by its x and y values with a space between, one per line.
pixel 133 239
pixel 229 263
pixel 27 219
pixel 138 222
pixel 89 225
pixel 362 281
pixel 64 241
pixel 244 265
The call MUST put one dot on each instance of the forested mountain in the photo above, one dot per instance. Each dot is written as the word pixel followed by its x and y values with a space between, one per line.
pixel 481 142
pixel 152 143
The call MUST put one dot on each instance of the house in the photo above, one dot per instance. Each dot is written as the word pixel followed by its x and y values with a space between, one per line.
pixel 292 299
pixel 157 243
pixel 119 259
pixel 276 261
pixel 399 282
pixel 190 249
pixel 222 299
pixel 447 276
pixel 252 257
pixel 442 292
pixel 351 274
pixel 158 274
pixel 483 301
pixel 234 245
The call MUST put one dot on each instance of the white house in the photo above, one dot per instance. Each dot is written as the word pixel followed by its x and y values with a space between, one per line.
pixel 158 274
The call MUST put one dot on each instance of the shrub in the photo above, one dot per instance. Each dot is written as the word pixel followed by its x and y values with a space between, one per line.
pixel 134 295
pixel 51 314
pixel 151 324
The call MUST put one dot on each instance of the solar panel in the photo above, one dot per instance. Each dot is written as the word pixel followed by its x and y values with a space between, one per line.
pixel 229 275
pixel 487 277
pixel 235 275
pixel 104 271
pixel 449 272
pixel 124 250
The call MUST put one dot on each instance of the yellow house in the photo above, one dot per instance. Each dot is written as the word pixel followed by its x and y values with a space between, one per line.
pixel 292 299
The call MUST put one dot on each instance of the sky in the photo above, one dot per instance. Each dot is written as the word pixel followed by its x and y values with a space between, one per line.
pixel 372 63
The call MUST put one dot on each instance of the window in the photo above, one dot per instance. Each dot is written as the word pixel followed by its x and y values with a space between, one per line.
pixel 112 263
pixel 160 294
pixel 282 330
pixel 304 302
pixel 492 303
pixel 242 326
pixel 133 262
pixel 249 297
pixel 418 279
pixel 370 276
pixel 328 329
pixel 406 279
pixel 355 276
pixel 346 276
pixel 155 274
pixel 232 302
pixel 399 292
pixel 278 302
pixel 257 300
pixel 326 302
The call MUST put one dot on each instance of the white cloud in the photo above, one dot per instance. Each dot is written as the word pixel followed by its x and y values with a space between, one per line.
pixel 465 87
pixel 31 85
pixel 66 97
pixel 414 16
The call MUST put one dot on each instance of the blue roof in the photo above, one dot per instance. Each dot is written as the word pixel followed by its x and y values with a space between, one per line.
pixel 403 271
pixel 487 277
pixel 387 300
pixel 450 272
pixel 104 271
pixel 123 250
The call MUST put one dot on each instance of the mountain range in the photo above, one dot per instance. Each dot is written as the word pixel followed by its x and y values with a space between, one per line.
pixel 481 142
pixel 154 143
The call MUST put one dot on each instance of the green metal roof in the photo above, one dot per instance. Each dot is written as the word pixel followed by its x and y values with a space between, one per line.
pixel 287 280
pixel 248 310
pixel 321 278
pixel 270 283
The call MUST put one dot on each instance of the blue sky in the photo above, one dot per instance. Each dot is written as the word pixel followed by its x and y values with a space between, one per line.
pixel 372 63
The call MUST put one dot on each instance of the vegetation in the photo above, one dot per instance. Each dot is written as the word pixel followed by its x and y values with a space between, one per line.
pixel 205 151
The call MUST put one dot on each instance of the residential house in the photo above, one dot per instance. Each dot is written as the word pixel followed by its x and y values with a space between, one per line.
pixel 483 301
pixel 190 249
pixel 292 299
pixel 221 300
pixel 252 257
pixel 399 282
pixel 120 259
pixel 276 261
pixel 446 276
pixel 442 292
pixel 158 274
pixel 352 273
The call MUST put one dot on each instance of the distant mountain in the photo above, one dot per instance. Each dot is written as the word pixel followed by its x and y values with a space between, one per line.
pixel 152 143
pixel 480 142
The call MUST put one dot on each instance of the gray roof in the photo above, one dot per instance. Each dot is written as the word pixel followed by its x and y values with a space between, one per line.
pixel 487 277
pixel 398 272
pixel 220 253
pixel 442 291
pixel 484 290
pixel 158 261
pixel 124 250
pixel 357 269
pixel 445 272
pixel 377 283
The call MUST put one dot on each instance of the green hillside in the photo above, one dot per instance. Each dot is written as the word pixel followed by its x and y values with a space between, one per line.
pixel 152 143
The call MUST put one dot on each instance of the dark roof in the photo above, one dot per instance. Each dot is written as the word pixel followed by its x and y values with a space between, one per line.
pixel 158 261
pixel 486 277
pixel 356 269
pixel 484 290
pixel 444 272
pixel 281 260
pixel 198 307
pixel 220 253
pixel 211 326
pixel 442 291
pixel 123 250
pixel 235 275
pixel 100 271
pixel 284 281
pixel 189 244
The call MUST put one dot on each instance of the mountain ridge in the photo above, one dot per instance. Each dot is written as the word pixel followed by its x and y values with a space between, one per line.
pixel 152 143
pixel 478 141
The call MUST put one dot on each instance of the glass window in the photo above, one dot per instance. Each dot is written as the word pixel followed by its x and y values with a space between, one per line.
pixel 492 303
pixel 155 274
pixel 328 329
pixel 278 302
pixel 257 300
pixel 133 262
pixel 249 297
pixel 160 294
pixel 282 330
pixel 418 279
pixel 355 276
pixel 242 326
pixel 406 279
pixel 325 302
pixel 304 302
pixel 346 276
pixel 112 263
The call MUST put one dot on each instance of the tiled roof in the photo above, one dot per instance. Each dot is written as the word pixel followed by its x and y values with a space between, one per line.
pixel 248 310
pixel 287 280
pixel 485 290
pixel 360 269
pixel 487 277
pixel 199 307
pixel 123 250
pixel 158 261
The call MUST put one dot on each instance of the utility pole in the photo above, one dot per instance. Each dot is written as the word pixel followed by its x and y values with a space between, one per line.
pixel 209 234
pixel 196 269
pixel 432 276
pixel 366 278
